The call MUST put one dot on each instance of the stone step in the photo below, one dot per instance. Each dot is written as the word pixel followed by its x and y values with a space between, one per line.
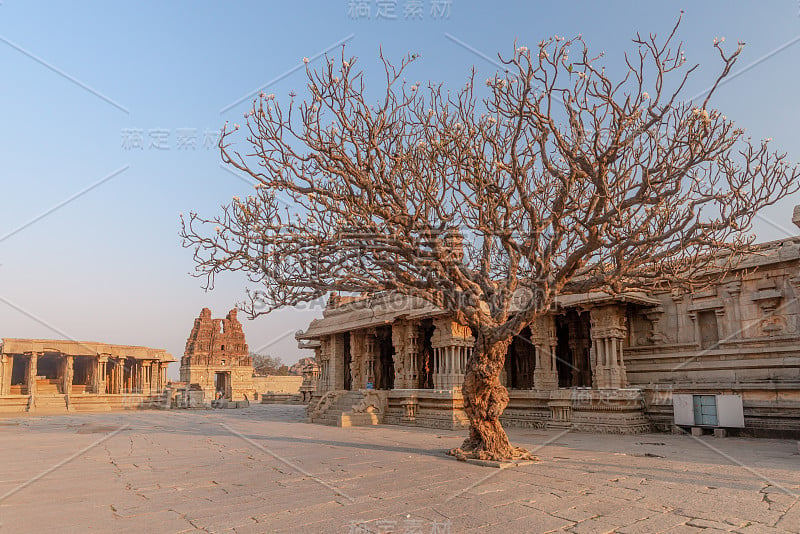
pixel 50 402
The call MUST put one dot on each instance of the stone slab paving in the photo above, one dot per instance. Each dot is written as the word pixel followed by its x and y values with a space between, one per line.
pixel 262 469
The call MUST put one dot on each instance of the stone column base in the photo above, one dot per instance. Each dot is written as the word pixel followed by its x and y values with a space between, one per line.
pixel 609 377
pixel 545 380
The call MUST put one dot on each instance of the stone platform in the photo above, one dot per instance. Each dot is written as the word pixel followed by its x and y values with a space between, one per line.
pixel 262 469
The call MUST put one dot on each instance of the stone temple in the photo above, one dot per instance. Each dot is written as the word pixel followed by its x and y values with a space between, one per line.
pixel 45 375
pixel 724 358
pixel 216 359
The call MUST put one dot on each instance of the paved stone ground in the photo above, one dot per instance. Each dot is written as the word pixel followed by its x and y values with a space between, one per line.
pixel 262 469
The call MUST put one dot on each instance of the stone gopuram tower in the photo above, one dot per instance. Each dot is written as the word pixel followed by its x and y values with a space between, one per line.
pixel 216 358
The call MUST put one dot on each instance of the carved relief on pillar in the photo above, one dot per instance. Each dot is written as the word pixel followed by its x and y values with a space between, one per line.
pixel 405 340
pixel 773 318
pixel 657 334
pixel 452 344
pixel 69 370
pixel 543 337
pixel 370 354
pixel 401 364
pixel 324 364
pixel 357 360
pixel 609 329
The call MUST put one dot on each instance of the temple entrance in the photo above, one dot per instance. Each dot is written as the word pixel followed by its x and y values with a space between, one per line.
pixel 348 359
pixel 49 372
pixel 425 355
pixel 572 351
pixel 19 372
pixel 384 363
pixel 83 369
pixel 48 366
pixel 222 385
pixel 521 361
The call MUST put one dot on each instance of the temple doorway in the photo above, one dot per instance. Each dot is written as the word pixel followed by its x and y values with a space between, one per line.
pixel 19 375
pixel 384 363
pixel 573 331
pixel 521 361
pixel 49 371
pixel 348 359
pixel 222 385
pixel 425 355
pixel 83 369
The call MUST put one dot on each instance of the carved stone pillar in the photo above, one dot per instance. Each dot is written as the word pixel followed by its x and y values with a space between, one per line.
pixel 30 379
pixel 324 365
pixel 405 340
pixel 452 344
pixel 608 332
pixel 146 366
pixel 357 360
pixel 66 375
pixel 99 378
pixel 6 365
pixel 730 293
pixel 543 337
pixel 685 330
pixel 120 375
pixel 413 371
pixel 370 350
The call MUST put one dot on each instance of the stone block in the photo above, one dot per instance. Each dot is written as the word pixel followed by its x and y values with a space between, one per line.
pixel 720 433
pixel 697 431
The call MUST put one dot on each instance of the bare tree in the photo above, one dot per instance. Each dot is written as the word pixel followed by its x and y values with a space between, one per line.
pixel 560 180
pixel 264 364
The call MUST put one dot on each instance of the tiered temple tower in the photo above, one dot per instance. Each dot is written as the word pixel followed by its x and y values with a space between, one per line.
pixel 217 359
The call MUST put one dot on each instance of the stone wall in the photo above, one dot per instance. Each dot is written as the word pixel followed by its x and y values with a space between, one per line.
pixel 740 337
pixel 277 384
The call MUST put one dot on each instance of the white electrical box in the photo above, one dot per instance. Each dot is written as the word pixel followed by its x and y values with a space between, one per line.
pixel 708 410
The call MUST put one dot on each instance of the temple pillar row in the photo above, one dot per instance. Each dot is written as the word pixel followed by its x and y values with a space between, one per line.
pixel 452 345
pixel 609 329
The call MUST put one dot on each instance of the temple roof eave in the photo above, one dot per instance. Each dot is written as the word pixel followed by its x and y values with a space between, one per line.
pixel 83 348
pixel 385 310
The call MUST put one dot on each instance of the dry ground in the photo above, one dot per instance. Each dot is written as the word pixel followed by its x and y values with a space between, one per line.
pixel 262 469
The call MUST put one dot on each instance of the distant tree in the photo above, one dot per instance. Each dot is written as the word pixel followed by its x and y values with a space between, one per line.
pixel 563 179
pixel 264 364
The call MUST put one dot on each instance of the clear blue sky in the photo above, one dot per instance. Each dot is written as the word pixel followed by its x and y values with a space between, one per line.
pixel 80 80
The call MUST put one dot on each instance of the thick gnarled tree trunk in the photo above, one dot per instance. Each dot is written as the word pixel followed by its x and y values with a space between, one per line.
pixel 485 399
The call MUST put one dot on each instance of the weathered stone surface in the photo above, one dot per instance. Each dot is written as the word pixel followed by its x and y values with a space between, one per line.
pixel 262 469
